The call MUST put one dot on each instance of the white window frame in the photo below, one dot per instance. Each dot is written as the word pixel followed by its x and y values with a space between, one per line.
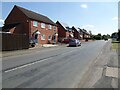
pixel 50 27
pixel 35 23
pixel 43 37
pixel 42 25
pixel 55 28
pixel 50 37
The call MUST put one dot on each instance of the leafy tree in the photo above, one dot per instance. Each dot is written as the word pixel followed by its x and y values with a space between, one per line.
pixel 97 37
pixel 114 35
pixel 108 36
pixel 104 36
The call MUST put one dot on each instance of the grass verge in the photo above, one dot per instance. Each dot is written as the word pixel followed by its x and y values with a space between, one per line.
pixel 116 45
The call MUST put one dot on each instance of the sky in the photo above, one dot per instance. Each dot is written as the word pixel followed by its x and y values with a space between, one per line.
pixel 98 17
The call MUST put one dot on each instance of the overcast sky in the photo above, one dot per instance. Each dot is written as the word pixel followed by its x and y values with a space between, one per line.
pixel 99 17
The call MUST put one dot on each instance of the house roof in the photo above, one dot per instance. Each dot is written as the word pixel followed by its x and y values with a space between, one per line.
pixel 77 29
pixel 65 26
pixel 85 31
pixel 35 16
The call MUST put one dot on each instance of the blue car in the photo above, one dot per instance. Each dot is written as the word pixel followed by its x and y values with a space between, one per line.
pixel 74 42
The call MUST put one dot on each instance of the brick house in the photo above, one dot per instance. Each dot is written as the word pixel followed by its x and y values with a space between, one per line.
pixel 64 31
pixel 78 33
pixel 37 27
pixel 86 35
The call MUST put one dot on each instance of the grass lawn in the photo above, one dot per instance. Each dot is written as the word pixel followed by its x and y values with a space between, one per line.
pixel 116 45
pixel 114 41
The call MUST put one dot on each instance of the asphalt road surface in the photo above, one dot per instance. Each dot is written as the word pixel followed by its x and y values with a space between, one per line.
pixel 59 67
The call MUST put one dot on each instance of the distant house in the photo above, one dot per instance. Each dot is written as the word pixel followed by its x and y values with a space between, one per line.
pixel 37 27
pixel 78 33
pixel 64 31
pixel 86 35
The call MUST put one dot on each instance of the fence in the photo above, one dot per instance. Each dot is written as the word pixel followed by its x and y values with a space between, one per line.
pixel 14 41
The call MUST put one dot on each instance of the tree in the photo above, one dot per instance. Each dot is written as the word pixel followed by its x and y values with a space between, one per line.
pixel 98 36
pixel 114 35
pixel 104 36
pixel 108 36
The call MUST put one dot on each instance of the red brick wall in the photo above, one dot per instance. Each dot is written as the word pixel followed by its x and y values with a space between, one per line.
pixel 76 34
pixel 62 32
pixel 47 32
pixel 67 35
pixel 16 16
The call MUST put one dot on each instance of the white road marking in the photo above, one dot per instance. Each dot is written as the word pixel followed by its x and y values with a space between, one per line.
pixel 23 66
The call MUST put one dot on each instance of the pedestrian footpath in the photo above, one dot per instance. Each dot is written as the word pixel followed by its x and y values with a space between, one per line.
pixel 27 51
pixel 109 77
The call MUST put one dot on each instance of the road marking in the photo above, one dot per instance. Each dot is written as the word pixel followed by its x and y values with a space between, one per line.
pixel 23 66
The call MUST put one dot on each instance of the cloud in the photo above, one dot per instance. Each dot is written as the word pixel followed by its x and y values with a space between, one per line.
pixel 84 6
pixel 1 22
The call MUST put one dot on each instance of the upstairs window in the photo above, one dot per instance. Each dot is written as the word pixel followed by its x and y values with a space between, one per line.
pixel 54 28
pixel 35 23
pixel 50 27
pixel 42 25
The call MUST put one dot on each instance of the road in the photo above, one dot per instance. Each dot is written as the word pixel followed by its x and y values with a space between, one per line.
pixel 60 67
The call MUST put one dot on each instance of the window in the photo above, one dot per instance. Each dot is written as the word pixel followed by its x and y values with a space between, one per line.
pixel 49 37
pixel 35 23
pixel 50 27
pixel 42 25
pixel 42 37
pixel 54 28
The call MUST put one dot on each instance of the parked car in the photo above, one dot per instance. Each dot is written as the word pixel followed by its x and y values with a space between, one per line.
pixel 74 42
pixel 66 40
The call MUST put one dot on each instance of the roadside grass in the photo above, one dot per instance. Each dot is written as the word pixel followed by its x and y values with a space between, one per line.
pixel 116 45
pixel 114 41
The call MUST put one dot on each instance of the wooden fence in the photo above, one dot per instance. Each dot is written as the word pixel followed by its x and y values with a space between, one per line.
pixel 14 41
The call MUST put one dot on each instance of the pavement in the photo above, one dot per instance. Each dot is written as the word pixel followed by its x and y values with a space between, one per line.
pixel 28 51
pixel 60 67
pixel 104 71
